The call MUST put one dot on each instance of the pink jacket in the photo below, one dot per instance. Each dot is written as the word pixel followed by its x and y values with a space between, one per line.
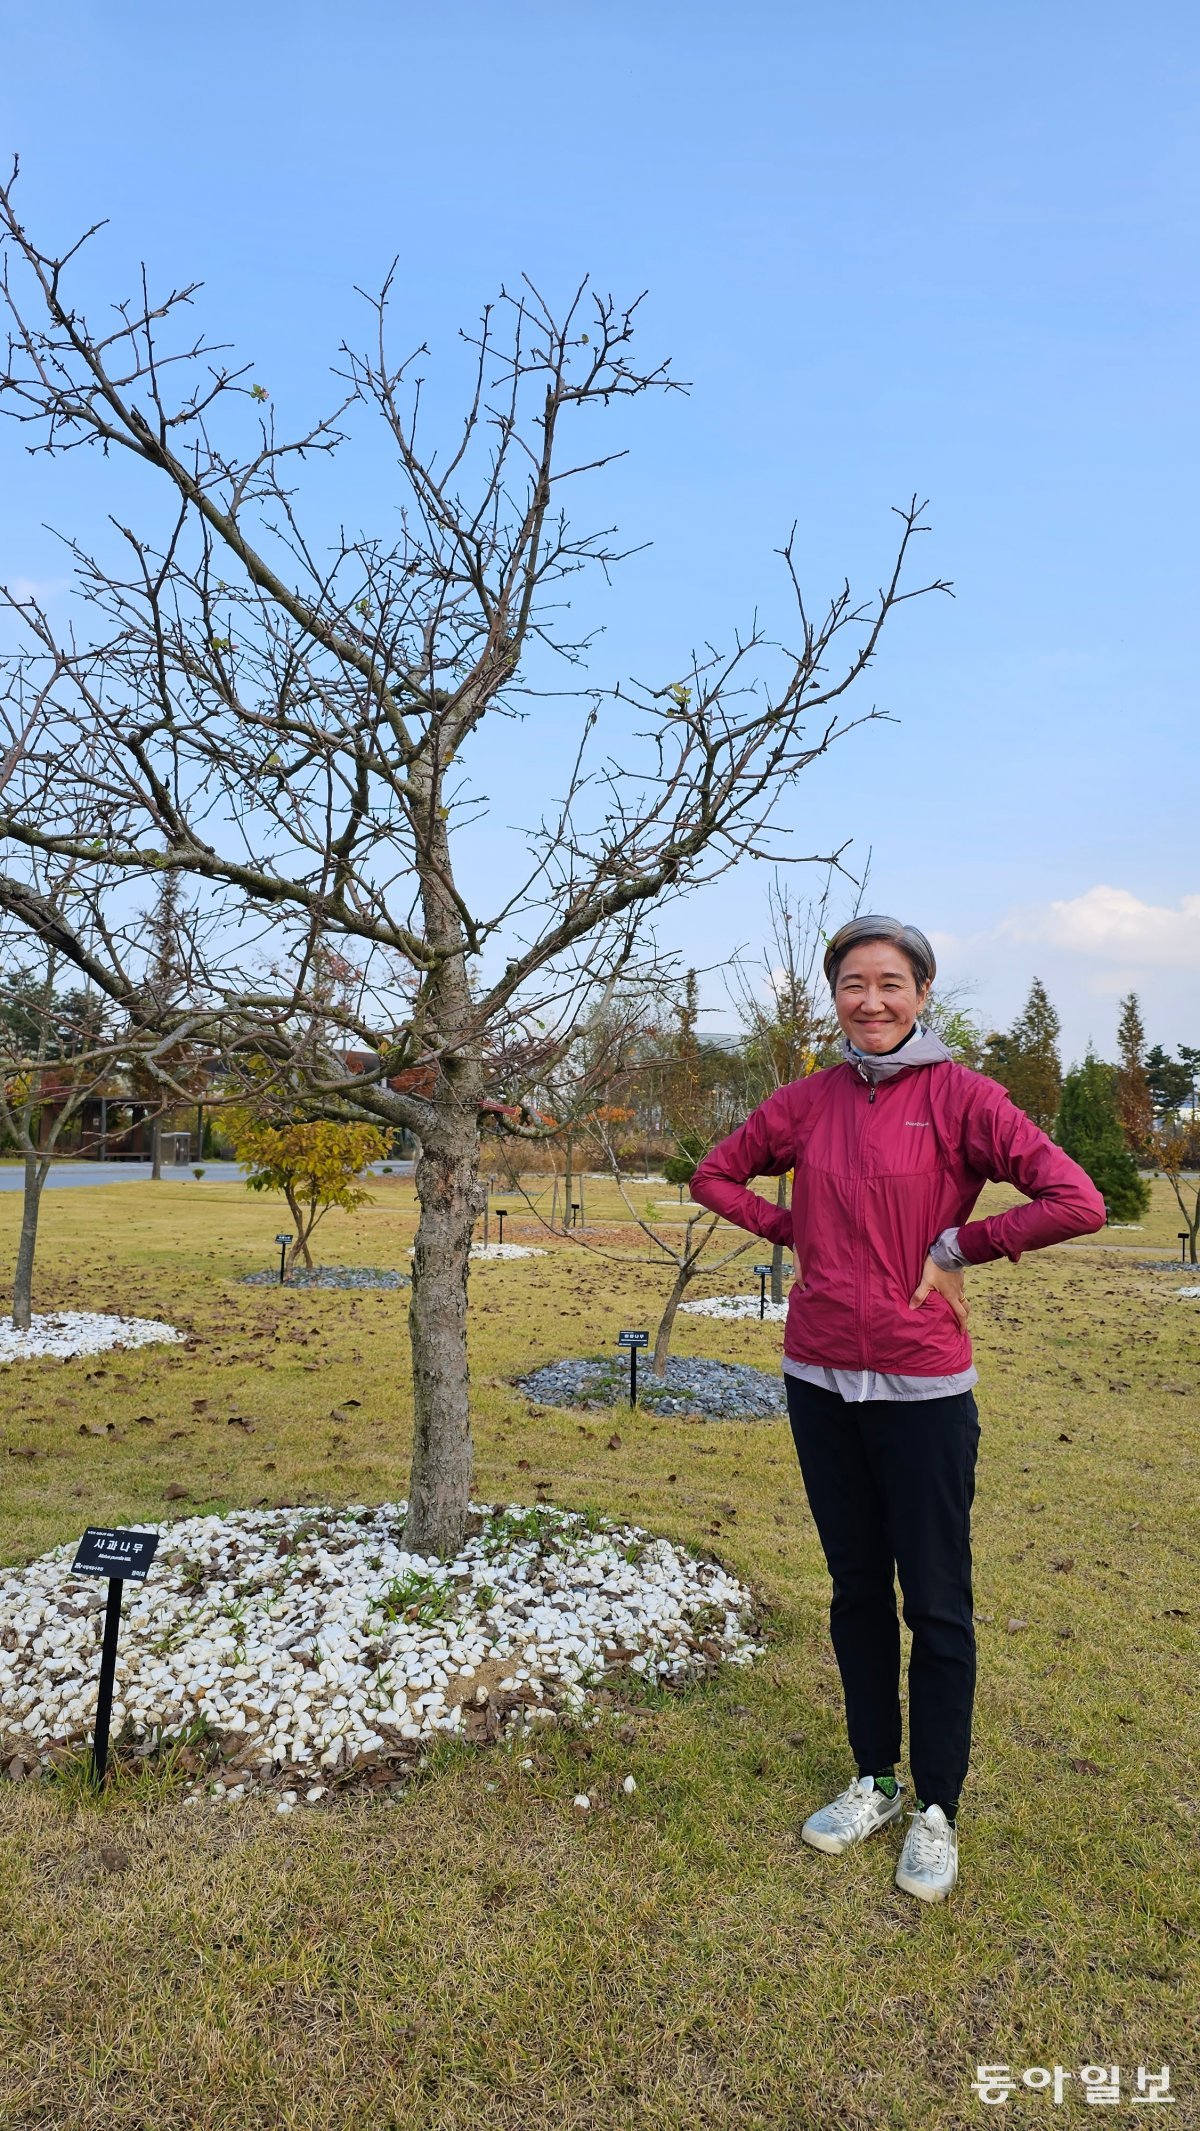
pixel 880 1170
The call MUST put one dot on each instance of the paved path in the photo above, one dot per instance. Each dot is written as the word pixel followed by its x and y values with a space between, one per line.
pixel 66 1176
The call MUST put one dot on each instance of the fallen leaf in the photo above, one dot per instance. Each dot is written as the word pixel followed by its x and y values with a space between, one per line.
pixel 522 1465
pixel 1063 1438
pixel 114 1860
pixel 24 1450
pixel 173 1492
pixel 94 1427
pixel 238 1420
pixel 1014 1625
pixel 1084 1767
pixel 144 1420
pixel 1063 1563
pixel 613 1443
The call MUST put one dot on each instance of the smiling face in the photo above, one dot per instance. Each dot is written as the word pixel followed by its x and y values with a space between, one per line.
pixel 876 997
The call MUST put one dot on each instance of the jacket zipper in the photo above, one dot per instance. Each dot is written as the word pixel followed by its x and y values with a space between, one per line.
pixel 861 1283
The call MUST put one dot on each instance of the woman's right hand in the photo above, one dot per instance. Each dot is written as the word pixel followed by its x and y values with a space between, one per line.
pixel 796 1268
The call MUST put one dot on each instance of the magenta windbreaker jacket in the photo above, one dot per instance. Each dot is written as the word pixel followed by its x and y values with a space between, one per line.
pixel 880 1170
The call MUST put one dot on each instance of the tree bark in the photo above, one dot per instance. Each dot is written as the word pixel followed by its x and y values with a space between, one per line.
pixel 448 1192
pixel 666 1323
pixel 777 1249
pixel 22 1310
pixel 156 1151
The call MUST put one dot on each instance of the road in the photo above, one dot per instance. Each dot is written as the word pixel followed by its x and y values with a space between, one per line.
pixel 68 1176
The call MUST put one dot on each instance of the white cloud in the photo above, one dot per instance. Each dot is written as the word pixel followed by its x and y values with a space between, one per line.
pixel 1113 925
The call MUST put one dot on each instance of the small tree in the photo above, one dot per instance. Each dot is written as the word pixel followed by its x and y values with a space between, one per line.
pixel 315 1166
pixel 1170 1152
pixel 789 1029
pixel 1089 1130
pixel 1026 1060
pixel 1170 1082
pixel 1134 1107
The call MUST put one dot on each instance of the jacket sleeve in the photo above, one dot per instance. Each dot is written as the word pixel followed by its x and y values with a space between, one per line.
pixel 764 1146
pixel 1008 1148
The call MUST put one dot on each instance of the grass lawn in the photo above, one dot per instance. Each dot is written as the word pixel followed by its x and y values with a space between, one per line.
pixel 476 1954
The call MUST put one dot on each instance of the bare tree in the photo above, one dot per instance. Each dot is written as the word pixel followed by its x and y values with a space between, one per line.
pixel 62 1048
pixel 787 1025
pixel 291 710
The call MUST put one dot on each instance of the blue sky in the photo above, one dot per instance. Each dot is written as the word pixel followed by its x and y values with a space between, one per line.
pixel 943 248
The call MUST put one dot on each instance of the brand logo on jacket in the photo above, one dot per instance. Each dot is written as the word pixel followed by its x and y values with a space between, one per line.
pixel 919 1124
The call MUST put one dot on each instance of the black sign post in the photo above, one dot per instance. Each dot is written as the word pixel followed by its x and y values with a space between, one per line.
pixel 1182 1236
pixel 633 1340
pixel 500 1213
pixel 116 1555
pixel 762 1271
pixel 283 1242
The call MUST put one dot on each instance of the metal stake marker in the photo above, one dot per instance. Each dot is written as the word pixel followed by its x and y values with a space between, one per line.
pixel 762 1271
pixel 114 1555
pixel 576 1209
pixel 633 1340
pixel 108 1674
pixel 283 1242
pixel 500 1213
pixel 1182 1236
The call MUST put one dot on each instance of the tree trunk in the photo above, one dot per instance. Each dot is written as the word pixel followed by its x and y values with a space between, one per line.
pixel 662 1340
pixel 449 1196
pixel 568 1187
pixel 22 1310
pixel 156 1151
pixel 777 1249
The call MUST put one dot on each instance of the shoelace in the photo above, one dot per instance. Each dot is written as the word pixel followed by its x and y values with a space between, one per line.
pixel 846 1809
pixel 928 1848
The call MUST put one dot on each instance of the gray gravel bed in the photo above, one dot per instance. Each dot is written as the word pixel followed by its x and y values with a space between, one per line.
pixel 719 1390
pixel 332 1276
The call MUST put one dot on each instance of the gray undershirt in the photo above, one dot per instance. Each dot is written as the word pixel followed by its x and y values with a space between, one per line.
pixel 856 1386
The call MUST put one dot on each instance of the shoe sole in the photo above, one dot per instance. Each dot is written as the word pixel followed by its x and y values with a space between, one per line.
pixel 837 1845
pixel 926 1894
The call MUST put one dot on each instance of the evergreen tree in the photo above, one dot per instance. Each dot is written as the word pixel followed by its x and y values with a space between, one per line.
pixel 1089 1130
pixel 1170 1084
pixel 1133 1089
pixel 1026 1060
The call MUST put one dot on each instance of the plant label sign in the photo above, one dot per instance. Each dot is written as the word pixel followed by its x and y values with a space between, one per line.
pixel 123 1557
pixel 633 1339
pixel 115 1553
pixel 762 1271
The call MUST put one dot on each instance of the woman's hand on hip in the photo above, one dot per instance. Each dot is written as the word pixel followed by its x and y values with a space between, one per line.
pixel 796 1268
pixel 936 1280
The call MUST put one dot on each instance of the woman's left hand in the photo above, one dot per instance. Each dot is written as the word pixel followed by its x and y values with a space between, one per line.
pixel 936 1280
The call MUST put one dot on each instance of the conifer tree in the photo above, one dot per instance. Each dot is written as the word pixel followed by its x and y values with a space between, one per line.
pixel 1132 1087
pixel 1089 1130
pixel 1026 1060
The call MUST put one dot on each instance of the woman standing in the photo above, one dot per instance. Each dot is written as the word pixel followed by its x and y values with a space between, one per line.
pixel 890 1150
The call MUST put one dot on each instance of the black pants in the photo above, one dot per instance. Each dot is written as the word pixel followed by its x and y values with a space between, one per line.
pixel 890 1486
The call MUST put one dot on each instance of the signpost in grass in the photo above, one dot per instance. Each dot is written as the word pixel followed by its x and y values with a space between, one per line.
pixel 633 1340
pixel 1182 1239
pixel 283 1242
pixel 500 1213
pixel 764 1273
pixel 117 1555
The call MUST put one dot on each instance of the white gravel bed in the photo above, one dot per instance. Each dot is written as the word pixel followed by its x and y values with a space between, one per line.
pixel 65 1333
pixel 736 1306
pixel 1187 1293
pixel 506 1250
pixel 312 1648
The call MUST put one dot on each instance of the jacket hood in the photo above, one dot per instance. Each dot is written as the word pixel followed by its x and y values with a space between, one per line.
pixel 921 1048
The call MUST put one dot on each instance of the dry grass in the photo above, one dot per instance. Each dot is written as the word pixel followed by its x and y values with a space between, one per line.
pixel 476 1957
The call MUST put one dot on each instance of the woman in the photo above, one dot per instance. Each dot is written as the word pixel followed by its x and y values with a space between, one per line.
pixel 890 1150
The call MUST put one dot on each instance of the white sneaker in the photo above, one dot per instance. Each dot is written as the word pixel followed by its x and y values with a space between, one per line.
pixel 853 1815
pixel 928 1864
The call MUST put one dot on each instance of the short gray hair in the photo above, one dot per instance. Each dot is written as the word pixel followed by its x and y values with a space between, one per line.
pixel 907 938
